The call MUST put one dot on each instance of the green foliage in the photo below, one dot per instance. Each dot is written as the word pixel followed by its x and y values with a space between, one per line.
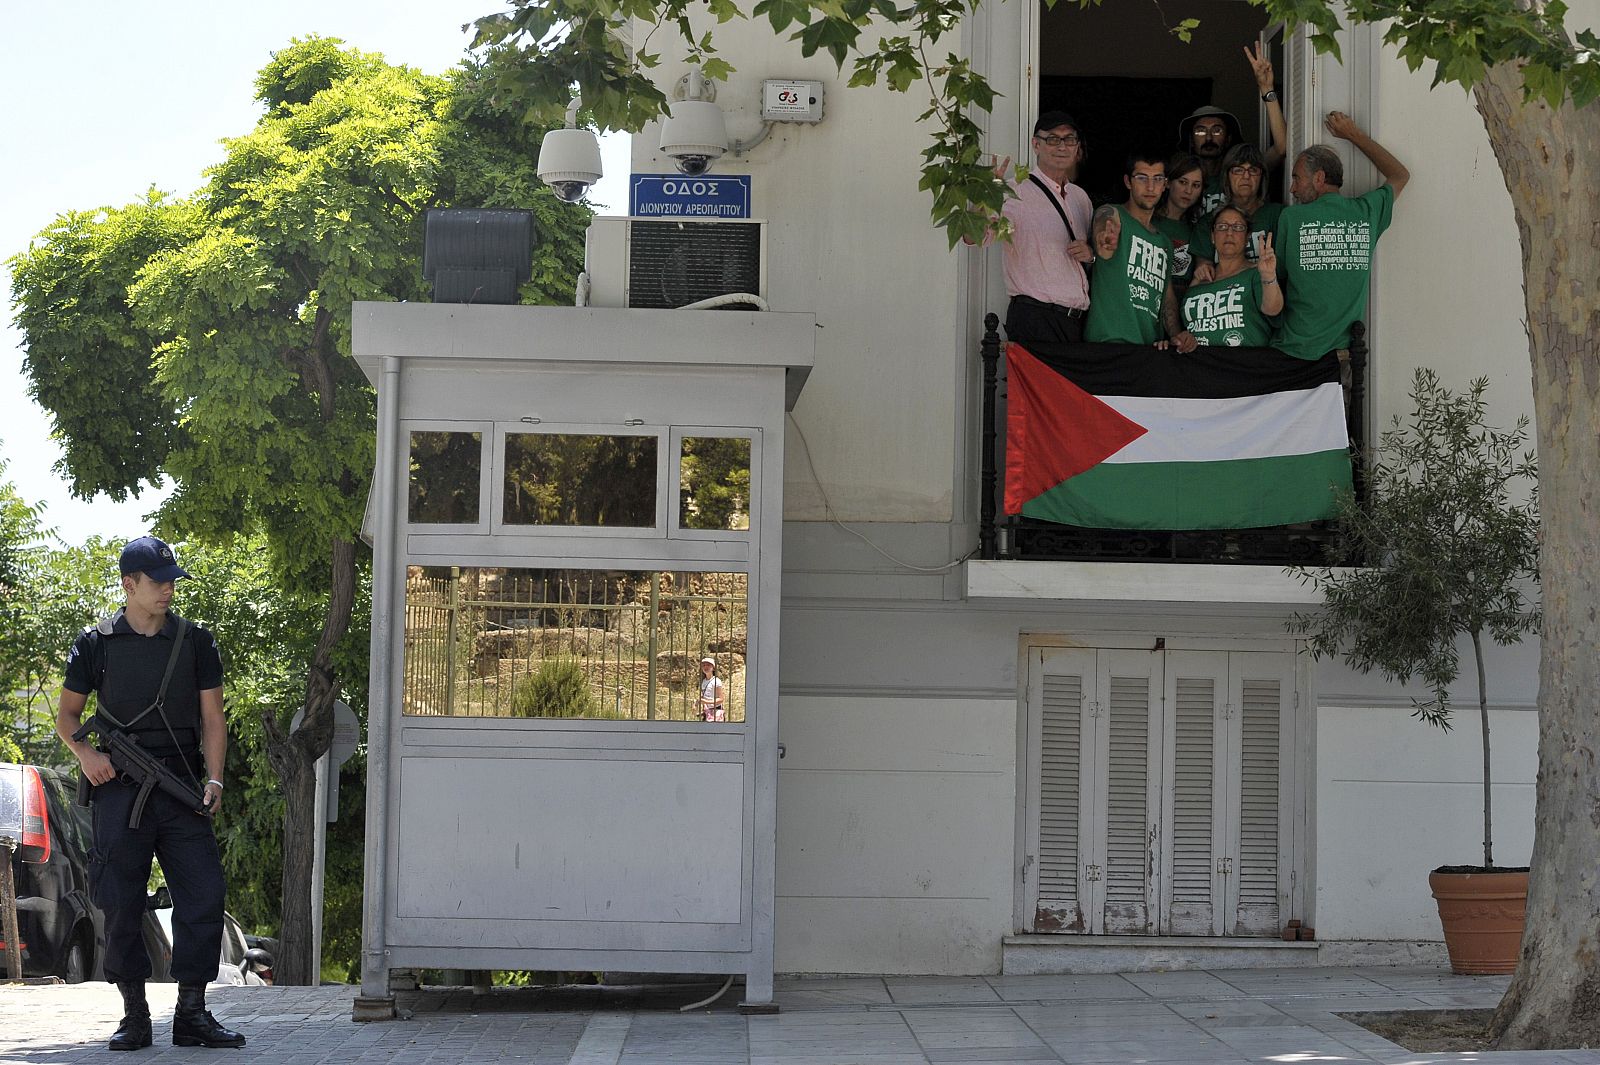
pixel 1448 549
pixel 266 635
pixel 207 340
pixel 88 356
pixel 558 688
pixel 61 592
pixel 716 480
pixel 561 43
pixel 224 318
pixel 1464 38
pixel 19 528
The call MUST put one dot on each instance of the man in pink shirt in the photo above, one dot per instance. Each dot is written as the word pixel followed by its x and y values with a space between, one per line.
pixel 1049 249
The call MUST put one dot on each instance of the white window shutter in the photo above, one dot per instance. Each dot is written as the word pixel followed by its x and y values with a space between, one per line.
pixel 1059 906
pixel 1197 685
pixel 1132 795
pixel 1259 870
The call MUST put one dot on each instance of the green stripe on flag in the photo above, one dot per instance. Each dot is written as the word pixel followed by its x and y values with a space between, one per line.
pixel 1228 494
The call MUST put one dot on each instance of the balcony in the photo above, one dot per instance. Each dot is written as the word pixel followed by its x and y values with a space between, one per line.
pixel 1017 536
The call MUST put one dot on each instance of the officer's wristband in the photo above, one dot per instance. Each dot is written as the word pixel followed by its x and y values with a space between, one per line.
pixel 218 783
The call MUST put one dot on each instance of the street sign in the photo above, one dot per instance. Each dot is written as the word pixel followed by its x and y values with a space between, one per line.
pixel 679 196
pixel 346 737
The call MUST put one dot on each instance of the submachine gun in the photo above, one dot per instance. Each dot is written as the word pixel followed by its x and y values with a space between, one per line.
pixel 135 765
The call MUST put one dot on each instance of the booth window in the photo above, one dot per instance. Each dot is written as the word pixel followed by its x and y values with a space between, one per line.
pixel 573 479
pixel 573 643
pixel 444 477
pixel 714 482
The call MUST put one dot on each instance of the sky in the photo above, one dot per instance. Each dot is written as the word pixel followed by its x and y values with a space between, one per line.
pixel 105 99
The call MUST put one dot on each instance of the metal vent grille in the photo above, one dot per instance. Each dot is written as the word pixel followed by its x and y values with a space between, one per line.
pixel 674 263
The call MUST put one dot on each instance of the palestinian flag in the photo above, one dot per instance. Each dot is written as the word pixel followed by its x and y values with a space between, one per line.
pixel 1111 437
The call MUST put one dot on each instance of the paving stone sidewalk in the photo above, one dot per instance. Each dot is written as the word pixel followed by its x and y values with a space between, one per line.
pixel 1174 1018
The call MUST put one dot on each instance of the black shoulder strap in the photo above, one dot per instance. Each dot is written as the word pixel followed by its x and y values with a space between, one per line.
pixel 166 678
pixel 1071 235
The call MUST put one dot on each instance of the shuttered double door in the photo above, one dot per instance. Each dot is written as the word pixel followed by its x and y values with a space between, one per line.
pixel 1158 796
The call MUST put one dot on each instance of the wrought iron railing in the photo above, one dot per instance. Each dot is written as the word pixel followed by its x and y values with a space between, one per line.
pixel 1015 537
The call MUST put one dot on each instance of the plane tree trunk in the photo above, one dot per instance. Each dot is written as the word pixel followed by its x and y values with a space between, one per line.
pixel 1551 159
pixel 294 756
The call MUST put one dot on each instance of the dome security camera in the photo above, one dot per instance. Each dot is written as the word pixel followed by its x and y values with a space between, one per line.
pixel 694 136
pixel 569 162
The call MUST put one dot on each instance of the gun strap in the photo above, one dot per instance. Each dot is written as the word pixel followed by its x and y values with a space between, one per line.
pixel 166 679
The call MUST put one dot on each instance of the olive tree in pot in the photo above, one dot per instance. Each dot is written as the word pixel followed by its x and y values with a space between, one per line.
pixel 1447 542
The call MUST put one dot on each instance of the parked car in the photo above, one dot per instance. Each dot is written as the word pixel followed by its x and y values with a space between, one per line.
pixel 61 932
pixel 238 963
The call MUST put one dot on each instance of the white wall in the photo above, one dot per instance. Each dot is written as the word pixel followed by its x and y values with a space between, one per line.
pixel 1448 274
pixel 896 806
pixel 894 834
pixel 851 240
pixel 1397 798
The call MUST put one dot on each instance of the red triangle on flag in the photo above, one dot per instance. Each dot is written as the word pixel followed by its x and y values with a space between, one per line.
pixel 1054 429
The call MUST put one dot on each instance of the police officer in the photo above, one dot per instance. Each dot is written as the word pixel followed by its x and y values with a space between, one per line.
pixel 124 659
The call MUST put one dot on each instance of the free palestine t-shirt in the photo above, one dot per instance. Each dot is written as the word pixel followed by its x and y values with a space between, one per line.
pixel 1182 235
pixel 1265 220
pixel 1125 301
pixel 1227 313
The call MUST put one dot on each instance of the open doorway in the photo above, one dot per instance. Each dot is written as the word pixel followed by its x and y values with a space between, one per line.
pixel 1129 81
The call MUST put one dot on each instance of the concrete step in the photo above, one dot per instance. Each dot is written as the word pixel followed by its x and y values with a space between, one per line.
pixel 1029 955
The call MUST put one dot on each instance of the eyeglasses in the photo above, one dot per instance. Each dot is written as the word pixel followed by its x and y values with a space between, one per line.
pixel 1054 141
pixel 1231 227
pixel 1148 179
pixel 1216 132
pixel 1245 171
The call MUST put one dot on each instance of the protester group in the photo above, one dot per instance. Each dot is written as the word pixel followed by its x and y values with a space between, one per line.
pixel 1198 254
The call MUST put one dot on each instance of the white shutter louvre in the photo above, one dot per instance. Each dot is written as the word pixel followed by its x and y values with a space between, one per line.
pixel 1128 843
pixel 1194 751
pixel 1259 828
pixel 1060 761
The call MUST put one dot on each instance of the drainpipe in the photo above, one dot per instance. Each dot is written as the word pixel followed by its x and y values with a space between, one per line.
pixel 375 1001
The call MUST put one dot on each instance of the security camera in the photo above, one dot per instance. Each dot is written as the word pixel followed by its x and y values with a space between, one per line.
pixel 694 135
pixel 569 162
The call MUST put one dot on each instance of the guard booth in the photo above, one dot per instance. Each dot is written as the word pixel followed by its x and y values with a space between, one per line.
pixel 572 507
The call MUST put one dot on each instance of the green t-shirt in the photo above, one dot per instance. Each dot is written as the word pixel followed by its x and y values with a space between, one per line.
pixel 1125 300
pixel 1181 234
pixel 1227 313
pixel 1265 220
pixel 1325 257
pixel 1214 195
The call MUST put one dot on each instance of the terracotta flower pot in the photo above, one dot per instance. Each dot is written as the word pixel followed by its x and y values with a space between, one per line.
pixel 1482 914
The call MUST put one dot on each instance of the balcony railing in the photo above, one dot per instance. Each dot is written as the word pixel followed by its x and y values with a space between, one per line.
pixel 1003 536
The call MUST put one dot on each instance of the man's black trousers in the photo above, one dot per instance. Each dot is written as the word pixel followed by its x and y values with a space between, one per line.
pixel 1028 319
pixel 120 870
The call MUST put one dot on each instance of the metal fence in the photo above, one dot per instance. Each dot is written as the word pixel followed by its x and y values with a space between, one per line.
pixel 483 642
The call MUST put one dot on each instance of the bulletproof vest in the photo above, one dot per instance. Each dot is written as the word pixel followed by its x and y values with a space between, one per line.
pixel 134 665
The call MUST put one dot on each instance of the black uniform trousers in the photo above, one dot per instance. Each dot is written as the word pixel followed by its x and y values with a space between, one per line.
pixel 119 871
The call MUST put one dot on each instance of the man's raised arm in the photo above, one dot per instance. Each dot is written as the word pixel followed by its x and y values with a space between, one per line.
pixel 1393 170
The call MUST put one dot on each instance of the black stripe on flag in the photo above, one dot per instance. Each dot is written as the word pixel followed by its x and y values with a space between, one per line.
pixel 1205 373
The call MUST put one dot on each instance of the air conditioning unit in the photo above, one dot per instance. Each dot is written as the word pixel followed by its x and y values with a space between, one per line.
pixel 673 262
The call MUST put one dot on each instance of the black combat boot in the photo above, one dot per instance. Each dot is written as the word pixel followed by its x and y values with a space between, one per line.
pixel 192 1026
pixel 134 1031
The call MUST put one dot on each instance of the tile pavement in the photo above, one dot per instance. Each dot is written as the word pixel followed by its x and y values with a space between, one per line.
pixel 1167 1018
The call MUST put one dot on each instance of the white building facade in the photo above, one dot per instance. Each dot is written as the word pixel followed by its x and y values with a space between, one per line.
pixel 1012 766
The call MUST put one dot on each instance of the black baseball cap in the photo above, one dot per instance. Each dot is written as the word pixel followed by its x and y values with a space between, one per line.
pixel 153 558
pixel 1052 119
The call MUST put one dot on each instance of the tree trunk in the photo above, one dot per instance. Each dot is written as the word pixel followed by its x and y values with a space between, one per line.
pixel 293 757
pixel 1488 776
pixel 1550 159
